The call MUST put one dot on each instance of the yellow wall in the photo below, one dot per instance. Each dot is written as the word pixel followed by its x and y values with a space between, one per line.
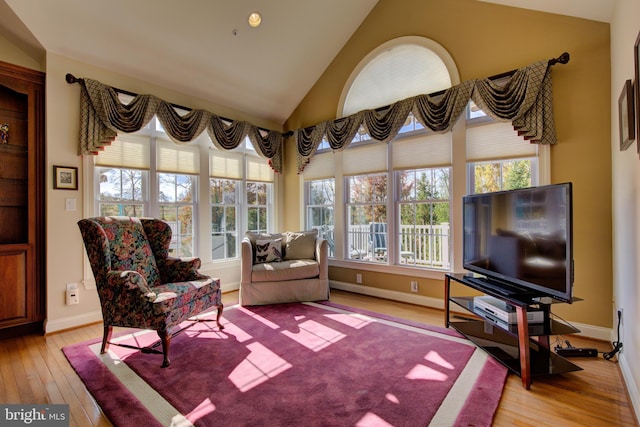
pixel 486 39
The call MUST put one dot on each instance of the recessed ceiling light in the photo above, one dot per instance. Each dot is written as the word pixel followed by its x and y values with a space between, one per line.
pixel 254 19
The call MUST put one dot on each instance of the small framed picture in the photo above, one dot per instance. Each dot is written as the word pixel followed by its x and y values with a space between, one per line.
pixel 65 178
pixel 636 61
pixel 626 116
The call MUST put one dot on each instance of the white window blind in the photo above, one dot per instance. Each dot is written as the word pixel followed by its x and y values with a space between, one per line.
pixel 396 73
pixel 225 164
pixel 259 170
pixel 127 151
pixel 369 158
pixel 321 165
pixel 426 150
pixel 497 141
pixel 177 158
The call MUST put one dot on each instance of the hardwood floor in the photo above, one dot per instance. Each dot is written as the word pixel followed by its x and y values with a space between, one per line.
pixel 33 369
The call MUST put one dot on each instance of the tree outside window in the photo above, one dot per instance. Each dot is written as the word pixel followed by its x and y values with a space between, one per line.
pixel 258 200
pixel 367 205
pixel 320 209
pixel 501 175
pixel 177 205
pixel 121 192
pixel 224 211
pixel 423 233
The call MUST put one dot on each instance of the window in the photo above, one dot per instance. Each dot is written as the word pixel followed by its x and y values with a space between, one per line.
pixel 321 195
pixel 176 197
pixel 366 184
pixel 121 191
pixel 258 203
pixel 122 177
pixel 498 158
pixel 177 169
pixel 424 207
pixel 225 200
pixel 259 191
pixel 396 70
pixel 367 217
pixel 422 164
pixel 225 203
pixel 146 174
pixel 396 202
pixel 241 186
pixel 500 175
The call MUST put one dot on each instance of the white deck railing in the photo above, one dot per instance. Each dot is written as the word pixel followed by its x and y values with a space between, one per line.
pixel 420 245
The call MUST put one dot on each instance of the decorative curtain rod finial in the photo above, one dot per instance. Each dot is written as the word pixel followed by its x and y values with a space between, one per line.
pixel 562 59
pixel 70 78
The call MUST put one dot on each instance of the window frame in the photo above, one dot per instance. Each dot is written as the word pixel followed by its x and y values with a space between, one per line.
pixel 178 235
pixel 326 229
pixel 366 252
pixel 202 211
pixel 458 177
pixel 432 237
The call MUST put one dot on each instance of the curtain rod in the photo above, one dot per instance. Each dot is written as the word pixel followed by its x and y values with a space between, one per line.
pixel 562 59
pixel 70 78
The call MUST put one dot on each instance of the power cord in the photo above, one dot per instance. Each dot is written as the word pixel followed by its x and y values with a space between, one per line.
pixel 617 345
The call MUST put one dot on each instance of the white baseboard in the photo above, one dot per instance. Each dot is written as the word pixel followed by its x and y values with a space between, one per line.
pixel 225 287
pixel 629 381
pixel 77 321
pixel 595 332
pixel 590 331
pixel 72 321
pixel 385 293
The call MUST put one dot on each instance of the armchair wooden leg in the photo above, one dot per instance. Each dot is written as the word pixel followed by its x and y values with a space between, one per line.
pixel 165 337
pixel 106 337
pixel 219 315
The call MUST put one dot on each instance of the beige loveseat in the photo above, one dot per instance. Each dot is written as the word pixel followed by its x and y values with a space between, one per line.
pixel 284 267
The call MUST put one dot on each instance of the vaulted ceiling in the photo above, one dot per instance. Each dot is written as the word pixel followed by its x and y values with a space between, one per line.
pixel 207 49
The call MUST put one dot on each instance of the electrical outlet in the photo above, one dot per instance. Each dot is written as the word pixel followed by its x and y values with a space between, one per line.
pixel 358 278
pixel 414 286
pixel 72 296
pixel 70 204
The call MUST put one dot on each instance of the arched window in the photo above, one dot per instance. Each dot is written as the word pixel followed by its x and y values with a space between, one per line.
pixel 399 69
pixel 394 204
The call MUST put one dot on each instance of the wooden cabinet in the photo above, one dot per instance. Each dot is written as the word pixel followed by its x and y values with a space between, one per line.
pixel 22 207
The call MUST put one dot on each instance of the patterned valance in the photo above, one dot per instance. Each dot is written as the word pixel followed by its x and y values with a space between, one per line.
pixel 102 116
pixel 524 98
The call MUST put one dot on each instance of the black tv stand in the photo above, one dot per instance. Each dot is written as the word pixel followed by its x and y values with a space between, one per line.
pixel 522 347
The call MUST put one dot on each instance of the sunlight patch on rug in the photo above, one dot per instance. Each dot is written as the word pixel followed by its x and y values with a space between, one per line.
pixel 421 372
pixel 434 357
pixel 354 320
pixel 314 336
pixel 259 366
pixel 202 410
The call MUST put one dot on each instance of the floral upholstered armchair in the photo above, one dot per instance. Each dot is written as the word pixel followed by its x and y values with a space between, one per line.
pixel 139 284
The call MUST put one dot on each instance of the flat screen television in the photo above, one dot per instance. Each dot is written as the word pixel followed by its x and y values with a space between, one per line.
pixel 520 241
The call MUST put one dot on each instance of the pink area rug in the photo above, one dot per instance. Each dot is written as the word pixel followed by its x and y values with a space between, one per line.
pixel 294 365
